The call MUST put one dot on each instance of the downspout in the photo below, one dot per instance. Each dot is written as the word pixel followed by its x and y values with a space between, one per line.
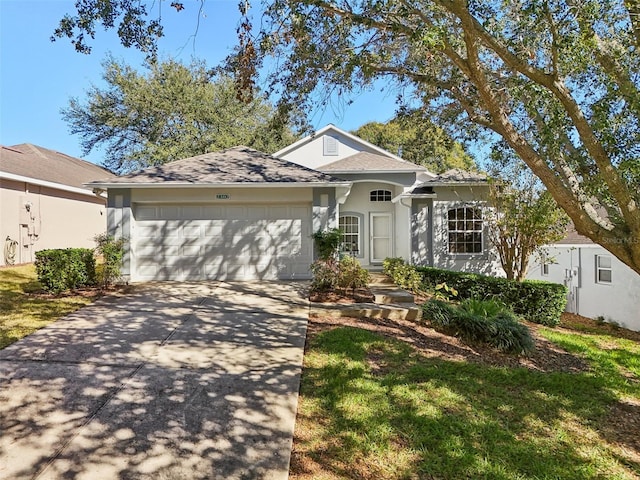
pixel 579 283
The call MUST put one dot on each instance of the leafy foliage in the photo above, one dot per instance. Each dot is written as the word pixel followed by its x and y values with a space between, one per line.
pixel 60 270
pixel 524 218
pixel 327 243
pixel 417 139
pixel 112 251
pixel 484 321
pixel 173 111
pixel 539 302
pixel 333 274
pixel 555 82
pixel 402 274
pixel 352 276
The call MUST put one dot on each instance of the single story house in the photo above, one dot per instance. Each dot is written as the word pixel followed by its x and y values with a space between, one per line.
pixel 241 214
pixel 44 202
pixel 600 285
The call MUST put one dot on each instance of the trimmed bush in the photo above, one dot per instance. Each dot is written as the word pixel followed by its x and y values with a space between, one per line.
pixel 345 274
pixel 112 251
pixel 480 321
pixel 60 270
pixel 404 275
pixel 537 301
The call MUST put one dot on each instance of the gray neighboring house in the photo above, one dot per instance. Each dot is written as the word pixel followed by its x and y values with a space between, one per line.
pixel 599 284
pixel 44 202
pixel 241 214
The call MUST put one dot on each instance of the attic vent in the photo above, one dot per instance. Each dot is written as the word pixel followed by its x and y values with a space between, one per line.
pixel 330 146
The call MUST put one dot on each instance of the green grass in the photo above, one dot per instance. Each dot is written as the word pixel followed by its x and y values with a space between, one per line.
pixel 23 309
pixel 372 408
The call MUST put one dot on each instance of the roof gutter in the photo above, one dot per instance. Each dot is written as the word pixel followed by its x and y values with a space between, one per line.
pixel 45 183
pixel 360 172
pixel 455 184
pixel 100 185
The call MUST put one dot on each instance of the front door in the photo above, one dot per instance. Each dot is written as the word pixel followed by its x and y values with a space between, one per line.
pixel 381 241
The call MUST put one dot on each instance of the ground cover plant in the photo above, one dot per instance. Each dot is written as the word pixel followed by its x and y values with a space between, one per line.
pixel 25 309
pixel 484 321
pixel 395 400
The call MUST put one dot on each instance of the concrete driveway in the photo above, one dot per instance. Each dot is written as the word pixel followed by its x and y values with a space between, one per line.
pixel 172 381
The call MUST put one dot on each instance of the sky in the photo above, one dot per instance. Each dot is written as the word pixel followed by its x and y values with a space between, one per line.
pixel 38 77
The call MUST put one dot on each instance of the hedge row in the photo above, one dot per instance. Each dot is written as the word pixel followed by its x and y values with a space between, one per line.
pixel 539 302
pixel 65 269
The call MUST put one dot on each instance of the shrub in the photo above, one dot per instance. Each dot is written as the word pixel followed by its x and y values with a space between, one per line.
pixel 404 275
pixel 112 252
pixel 327 243
pixel 439 313
pixel 351 274
pixel 539 302
pixel 325 275
pixel 330 274
pixel 480 321
pixel 60 270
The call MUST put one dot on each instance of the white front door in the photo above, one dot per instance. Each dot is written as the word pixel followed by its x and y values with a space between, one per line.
pixel 381 241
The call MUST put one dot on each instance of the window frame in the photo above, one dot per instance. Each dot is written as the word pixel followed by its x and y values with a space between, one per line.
pixel 464 232
pixel 600 268
pixel 359 225
pixel 380 195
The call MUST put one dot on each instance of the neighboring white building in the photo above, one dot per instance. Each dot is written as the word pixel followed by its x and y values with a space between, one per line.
pixel 600 285
pixel 44 204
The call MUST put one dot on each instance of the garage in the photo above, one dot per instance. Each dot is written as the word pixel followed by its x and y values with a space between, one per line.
pixel 238 214
pixel 236 242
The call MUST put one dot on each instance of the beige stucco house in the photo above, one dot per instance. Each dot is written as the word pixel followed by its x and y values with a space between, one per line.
pixel 43 203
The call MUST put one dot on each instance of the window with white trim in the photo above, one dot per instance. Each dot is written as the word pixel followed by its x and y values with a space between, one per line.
pixel 604 273
pixel 465 230
pixel 350 227
pixel 380 195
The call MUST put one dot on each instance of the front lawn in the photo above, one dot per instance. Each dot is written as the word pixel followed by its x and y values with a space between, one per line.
pixel 375 407
pixel 25 309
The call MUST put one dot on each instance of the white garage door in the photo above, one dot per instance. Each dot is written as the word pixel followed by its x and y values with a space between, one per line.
pixel 231 242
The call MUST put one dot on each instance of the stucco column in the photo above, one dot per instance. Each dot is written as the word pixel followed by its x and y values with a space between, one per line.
pixel 119 220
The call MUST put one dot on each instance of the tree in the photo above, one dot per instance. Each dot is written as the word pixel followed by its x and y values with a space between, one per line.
pixel 556 81
pixel 524 219
pixel 418 140
pixel 174 111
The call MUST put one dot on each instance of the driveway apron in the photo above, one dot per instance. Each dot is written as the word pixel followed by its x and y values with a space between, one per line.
pixel 171 381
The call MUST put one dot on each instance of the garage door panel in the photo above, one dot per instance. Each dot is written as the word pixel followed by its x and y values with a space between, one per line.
pixel 193 231
pixel 231 242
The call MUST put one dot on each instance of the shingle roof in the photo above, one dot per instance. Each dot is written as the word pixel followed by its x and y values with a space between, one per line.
pixel 573 238
pixel 366 161
pixel 242 165
pixel 43 164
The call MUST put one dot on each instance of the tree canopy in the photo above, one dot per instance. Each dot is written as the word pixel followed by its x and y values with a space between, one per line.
pixel 556 82
pixel 418 140
pixel 524 218
pixel 172 111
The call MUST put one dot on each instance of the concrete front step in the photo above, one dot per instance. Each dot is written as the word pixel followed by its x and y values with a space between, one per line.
pixel 380 279
pixel 392 296
pixel 407 311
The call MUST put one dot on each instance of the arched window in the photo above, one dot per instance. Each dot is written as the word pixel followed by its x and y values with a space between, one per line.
pixel 380 195
pixel 465 230
pixel 350 227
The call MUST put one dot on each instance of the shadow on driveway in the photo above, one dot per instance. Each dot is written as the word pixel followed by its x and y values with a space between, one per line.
pixel 173 381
